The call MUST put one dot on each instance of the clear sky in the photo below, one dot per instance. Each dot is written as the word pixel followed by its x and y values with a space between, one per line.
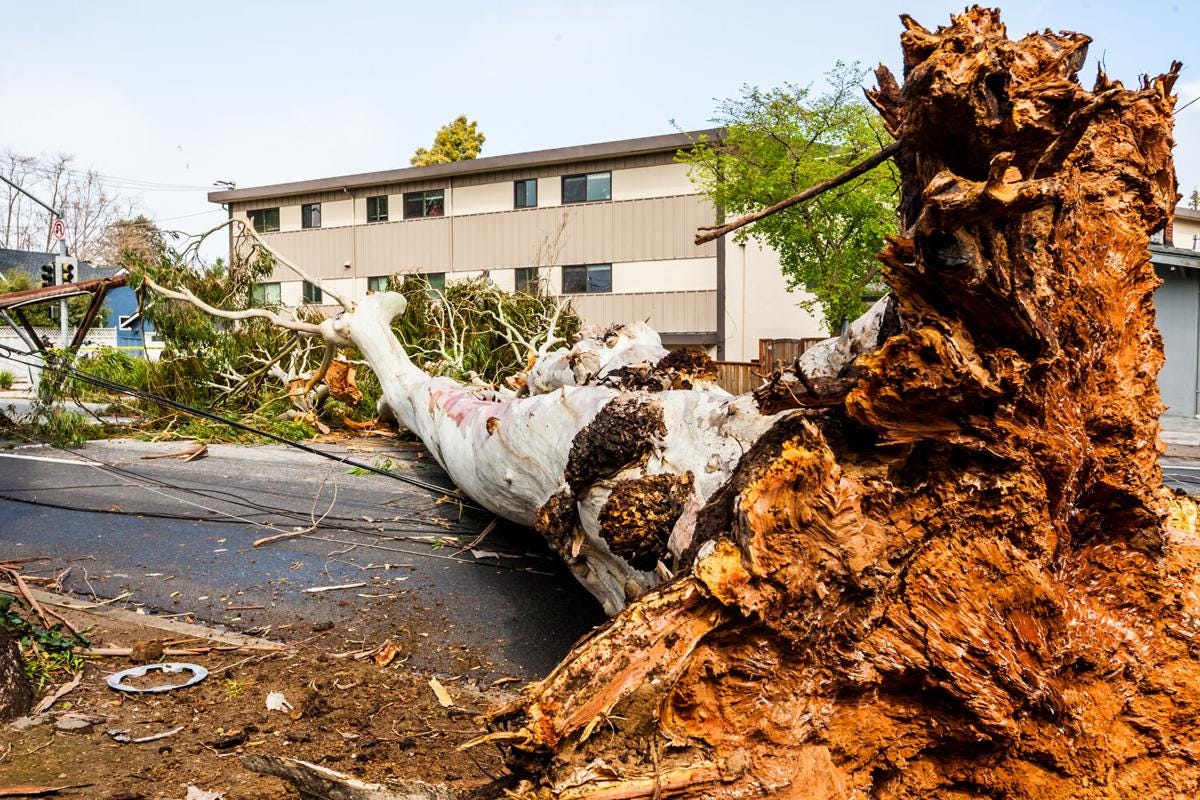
pixel 185 93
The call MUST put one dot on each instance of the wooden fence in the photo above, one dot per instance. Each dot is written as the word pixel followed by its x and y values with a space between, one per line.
pixel 739 377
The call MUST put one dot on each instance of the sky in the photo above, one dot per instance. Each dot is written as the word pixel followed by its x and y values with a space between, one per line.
pixel 168 97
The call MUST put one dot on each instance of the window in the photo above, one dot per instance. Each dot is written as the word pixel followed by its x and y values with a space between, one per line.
pixel 312 294
pixel 430 203
pixel 377 208
pixel 310 215
pixel 378 283
pixel 437 281
pixel 265 294
pixel 527 279
pixel 264 220
pixel 525 193
pixel 587 279
pixel 586 188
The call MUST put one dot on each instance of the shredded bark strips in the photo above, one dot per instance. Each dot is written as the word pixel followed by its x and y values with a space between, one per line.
pixel 967 581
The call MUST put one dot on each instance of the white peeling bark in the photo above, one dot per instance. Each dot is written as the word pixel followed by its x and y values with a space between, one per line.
pixel 510 455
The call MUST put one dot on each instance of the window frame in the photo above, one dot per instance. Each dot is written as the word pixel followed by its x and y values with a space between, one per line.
pixel 425 203
pixel 384 278
pixel 266 300
pixel 261 214
pixel 516 193
pixel 531 278
pixel 378 218
pixel 586 176
pixel 587 278
pixel 439 277
pixel 310 215
pixel 311 294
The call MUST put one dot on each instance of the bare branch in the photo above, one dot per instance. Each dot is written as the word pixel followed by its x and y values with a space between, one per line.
pixel 187 296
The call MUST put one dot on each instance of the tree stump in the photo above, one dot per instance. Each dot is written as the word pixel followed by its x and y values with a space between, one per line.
pixel 16 694
pixel 968 581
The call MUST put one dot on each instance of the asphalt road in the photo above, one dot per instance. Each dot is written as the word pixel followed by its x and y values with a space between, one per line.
pixel 178 537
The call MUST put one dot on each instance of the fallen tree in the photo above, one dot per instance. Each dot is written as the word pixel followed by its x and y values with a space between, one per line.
pixel 964 580
pixel 947 566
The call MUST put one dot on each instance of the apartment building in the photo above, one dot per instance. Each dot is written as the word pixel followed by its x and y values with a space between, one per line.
pixel 609 225
pixel 1175 252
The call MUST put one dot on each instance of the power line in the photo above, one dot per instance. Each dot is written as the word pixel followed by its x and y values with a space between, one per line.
pixel 119 388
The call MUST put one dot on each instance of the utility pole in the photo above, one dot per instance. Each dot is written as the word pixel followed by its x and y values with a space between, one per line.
pixel 60 267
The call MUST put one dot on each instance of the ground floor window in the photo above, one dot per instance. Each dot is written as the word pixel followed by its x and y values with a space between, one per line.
pixel 527 278
pixel 587 279
pixel 378 283
pixel 312 294
pixel 437 281
pixel 266 294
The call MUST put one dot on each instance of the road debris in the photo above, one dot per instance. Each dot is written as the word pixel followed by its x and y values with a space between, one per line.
pixel 51 699
pixel 190 454
pixel 277 702
pixel 122 735
pixel 116 680
pixel 29 790
pixel 318 589
pixel 443 697
pixel 195 793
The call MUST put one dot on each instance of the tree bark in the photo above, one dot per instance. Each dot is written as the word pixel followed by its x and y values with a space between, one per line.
pixel 16 694
pixel 968 580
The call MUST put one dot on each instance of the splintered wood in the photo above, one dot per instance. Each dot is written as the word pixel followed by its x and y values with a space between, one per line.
pixel 966 581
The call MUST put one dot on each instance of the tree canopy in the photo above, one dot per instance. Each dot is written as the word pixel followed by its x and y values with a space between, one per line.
pixel 780 141
pixel 459 140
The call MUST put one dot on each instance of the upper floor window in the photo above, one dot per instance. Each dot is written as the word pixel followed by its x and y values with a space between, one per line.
pixel 527 278
pixel 525 193
pixel 377 208
pixel 587 279
pixel 586 188
pixel 378 283
pixel 312 294
pixel 429 203
pixel 266 294
pixel 264 220
pixel 310 215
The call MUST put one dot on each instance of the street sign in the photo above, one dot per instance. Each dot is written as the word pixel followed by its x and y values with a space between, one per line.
pixel 59 229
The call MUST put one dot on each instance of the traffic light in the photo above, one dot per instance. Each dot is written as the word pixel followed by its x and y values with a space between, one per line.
pixel 47 275
pixel 67 266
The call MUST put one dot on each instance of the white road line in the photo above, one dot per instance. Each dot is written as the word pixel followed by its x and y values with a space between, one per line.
pixel 47 459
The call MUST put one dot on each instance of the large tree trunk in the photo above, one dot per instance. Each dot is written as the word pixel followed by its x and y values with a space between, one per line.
pixel 16 695
pixel 965 581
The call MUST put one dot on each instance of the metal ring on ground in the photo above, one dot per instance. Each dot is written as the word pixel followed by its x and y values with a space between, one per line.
pixel 116 680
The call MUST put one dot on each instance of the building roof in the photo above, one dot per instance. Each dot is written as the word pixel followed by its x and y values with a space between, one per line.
pixel 32 261
pixel 624 147
pixel 1187 213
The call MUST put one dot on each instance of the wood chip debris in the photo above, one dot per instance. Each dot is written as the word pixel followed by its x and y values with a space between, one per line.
pixel 316 589
pixel 51 699
pixel 443 697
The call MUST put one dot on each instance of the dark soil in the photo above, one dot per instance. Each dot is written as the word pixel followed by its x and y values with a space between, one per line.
pixel 352 715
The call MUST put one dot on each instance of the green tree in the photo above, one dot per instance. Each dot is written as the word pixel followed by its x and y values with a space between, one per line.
pixel 777 143
pixel 460 140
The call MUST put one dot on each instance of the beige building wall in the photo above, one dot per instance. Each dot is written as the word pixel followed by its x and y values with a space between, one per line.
pixel 289 218
pixel 485 198
pixel 336 213
pixel 657 181
pixel 550 191
pixel 677 274
pixel 758 304
pixel 1186 233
